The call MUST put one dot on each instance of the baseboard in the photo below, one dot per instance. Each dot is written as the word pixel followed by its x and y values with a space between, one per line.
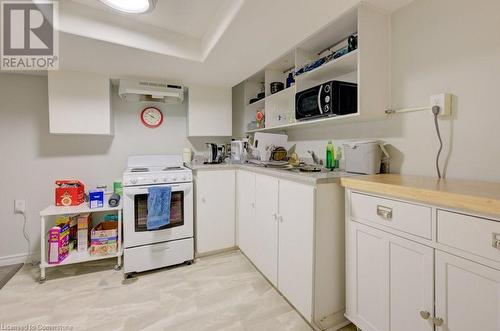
pixel 18 258
pixel 219 251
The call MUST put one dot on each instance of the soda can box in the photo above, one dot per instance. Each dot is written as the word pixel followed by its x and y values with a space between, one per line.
pixel 69 193
pixel 96 199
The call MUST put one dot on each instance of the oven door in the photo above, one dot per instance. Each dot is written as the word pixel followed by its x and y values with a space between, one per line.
pixel 135 212
pixel 307 103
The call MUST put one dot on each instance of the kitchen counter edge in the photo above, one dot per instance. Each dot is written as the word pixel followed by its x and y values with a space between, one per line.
pixel 474 196
pixel 312 178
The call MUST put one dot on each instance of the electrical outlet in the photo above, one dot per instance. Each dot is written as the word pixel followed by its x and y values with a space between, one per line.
pixel 442 100
pixel 19 206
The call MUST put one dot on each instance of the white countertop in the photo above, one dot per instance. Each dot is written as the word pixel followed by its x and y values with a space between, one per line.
pixel 305 177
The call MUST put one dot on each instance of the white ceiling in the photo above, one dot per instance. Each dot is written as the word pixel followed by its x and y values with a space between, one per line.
pixel 210 42
pixel 188 17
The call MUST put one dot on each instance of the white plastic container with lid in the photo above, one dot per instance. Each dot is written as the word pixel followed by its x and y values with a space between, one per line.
pixel 364 157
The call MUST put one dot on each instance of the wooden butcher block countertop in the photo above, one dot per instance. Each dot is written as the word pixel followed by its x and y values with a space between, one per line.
pixel 475 196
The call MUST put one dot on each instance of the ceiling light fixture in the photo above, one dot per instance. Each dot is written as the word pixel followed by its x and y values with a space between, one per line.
pixel 131 6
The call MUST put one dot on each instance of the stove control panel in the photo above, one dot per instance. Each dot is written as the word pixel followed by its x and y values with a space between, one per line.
pixel 168 177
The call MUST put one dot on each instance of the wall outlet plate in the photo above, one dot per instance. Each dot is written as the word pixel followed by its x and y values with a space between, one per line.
pixel 19 206
pixel 442 100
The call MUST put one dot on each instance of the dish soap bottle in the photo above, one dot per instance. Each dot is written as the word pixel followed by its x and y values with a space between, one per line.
pixel 330 157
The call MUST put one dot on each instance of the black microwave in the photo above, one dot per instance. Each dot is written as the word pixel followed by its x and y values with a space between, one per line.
pixel 333 98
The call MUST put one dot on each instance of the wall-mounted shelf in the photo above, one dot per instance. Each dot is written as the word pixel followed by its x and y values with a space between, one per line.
pixel 335 68
pixel 304 124
pixel 256 105
pixel 367 66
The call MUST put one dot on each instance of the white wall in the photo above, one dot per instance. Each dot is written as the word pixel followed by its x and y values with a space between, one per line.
pixel 438 46
pixel 31 159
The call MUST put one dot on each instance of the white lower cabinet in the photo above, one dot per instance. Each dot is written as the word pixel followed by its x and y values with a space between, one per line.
pixel 396 280
pixel 245 202
pixel 266 227
pixel 296 242
pixel 215 210
pixel 390 281
pixel 467 294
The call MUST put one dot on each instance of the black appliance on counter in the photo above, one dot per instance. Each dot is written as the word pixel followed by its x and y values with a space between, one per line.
pixel 333 98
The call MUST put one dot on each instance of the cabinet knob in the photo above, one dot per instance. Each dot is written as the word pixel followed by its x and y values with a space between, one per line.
pixel 438 321
pixel 384 212
pixel 425 314
pixel 252 204
pixel 203 200
pixel 275 216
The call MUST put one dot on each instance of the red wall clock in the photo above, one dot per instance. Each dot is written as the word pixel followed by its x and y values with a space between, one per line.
pixel 151 117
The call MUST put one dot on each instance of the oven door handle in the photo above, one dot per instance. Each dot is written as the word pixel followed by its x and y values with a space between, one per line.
pixel 138 191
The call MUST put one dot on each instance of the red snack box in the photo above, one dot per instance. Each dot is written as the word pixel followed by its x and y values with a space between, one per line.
pixel 69 193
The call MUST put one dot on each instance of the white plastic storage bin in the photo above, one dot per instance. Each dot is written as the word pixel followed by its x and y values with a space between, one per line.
pixel 364 157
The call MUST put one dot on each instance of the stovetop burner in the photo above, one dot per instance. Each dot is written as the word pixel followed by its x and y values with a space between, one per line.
pixel 139 170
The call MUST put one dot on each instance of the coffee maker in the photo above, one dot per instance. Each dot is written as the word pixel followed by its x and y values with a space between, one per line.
pixel 215 153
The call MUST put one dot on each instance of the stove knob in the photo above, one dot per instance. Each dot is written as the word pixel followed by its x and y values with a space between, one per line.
pixel 164 179
pixel 155 180
pixel 133 181
pixel 174 178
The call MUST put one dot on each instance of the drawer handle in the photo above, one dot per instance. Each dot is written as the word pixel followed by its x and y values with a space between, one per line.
pixel 495 240
pixel 384 212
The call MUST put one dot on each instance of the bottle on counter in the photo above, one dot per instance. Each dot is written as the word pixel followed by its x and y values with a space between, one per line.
pixel 330 156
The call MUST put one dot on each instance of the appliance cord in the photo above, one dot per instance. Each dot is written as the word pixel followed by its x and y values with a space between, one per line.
pixel 26 236
pixel 435 111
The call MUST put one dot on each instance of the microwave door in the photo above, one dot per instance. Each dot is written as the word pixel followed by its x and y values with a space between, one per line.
pixel 307 104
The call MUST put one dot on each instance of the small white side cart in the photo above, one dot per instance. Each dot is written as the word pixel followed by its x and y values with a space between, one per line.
pixel 47 217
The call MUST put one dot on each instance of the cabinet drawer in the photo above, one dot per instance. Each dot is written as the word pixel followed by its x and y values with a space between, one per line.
pixel 406 217
pixel 475 235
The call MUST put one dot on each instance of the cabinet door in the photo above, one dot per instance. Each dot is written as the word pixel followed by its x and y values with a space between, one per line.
pixel 215 216
pixel 467 294
pixel 266 227
pixel 79 103
pixel 390 281
pixel 296 245
pixel 245 197
pixel 210 111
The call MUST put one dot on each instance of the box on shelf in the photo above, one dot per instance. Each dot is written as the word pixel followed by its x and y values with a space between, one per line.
pixel 69 193
pixel 96 199
pixel 58 243
pixel 84 226
pixel 103 239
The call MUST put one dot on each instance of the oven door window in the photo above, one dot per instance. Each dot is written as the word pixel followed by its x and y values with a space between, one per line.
pixel 141 211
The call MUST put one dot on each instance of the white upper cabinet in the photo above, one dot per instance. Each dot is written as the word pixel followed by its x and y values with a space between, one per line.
pixel 210 111
pixel 79 103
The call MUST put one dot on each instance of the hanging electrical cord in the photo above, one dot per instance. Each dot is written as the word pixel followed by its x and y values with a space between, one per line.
pixel 27 237
pixel 435 111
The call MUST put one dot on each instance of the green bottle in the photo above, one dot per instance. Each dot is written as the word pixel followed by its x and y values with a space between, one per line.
pixel 330 157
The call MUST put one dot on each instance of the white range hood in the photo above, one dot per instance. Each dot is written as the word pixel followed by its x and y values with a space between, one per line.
pixel 145 90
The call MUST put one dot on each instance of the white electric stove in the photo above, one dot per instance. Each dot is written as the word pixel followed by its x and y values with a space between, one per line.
pixel 170 244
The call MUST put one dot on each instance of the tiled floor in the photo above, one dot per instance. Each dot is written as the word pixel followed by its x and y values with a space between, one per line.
pixel 222 292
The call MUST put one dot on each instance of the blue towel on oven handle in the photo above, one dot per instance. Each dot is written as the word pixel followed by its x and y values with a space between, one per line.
pixel 159 198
